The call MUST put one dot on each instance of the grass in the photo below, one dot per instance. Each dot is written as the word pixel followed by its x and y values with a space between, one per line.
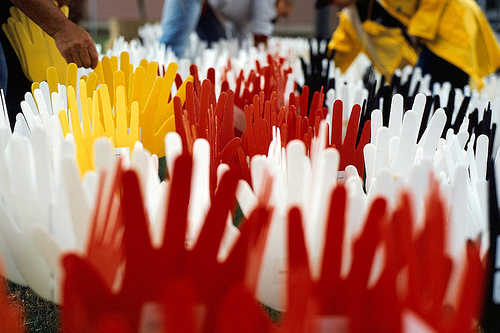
pixel 43 316
pixel 40 315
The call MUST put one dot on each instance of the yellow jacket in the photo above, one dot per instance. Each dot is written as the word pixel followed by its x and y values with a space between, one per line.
pixel 386 47
pixel 455 30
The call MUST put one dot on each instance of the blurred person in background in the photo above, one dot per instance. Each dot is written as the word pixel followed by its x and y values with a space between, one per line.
pixel 216 19
pixel 449 39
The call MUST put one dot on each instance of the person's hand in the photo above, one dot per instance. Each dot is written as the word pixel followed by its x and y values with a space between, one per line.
pixel 284 8
pixel 76 45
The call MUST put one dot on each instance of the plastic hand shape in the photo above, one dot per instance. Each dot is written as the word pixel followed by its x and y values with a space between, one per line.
pixel 274 75
pixel 151 93
pixel 201 182
pixel 169 263
pixel 56 84
pixel 351 148
pixel 138 98
pixel 425 296
pixel 263 115
pixel 81 130
pixel 394 147
pixel 298 181
pixel 100 245
pixel 239 312
pixel 429 273
pixel 91 127
pixel 5 130
pixel 316 78
pixel 490 320
pixel 40 108
pixel 11 315
pixel 156 119
pixel 104 248
pixel 35 49
pixel 256 136
pixel 209 119
pixel 77 211
pixel 373 289
pixel 464 113
pixel 332 294
pixel 28 199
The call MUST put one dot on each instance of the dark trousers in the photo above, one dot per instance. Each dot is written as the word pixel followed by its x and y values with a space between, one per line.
pixel 17 83
pixel 441 70
pixel 3 71
pixel 209 28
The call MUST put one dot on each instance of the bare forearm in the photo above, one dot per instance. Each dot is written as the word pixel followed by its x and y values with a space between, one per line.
pixel 74 43
pixel 44 13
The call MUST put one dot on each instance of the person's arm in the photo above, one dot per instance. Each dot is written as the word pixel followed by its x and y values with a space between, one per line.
pixel 74 43
pixel 345 43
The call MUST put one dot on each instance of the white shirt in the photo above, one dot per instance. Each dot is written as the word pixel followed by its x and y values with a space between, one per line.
pixel 247 16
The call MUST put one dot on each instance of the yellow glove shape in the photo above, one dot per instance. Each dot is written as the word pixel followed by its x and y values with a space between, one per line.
pixel 97 120
pixel 156 119
pixel 125 101
pixel 35 49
